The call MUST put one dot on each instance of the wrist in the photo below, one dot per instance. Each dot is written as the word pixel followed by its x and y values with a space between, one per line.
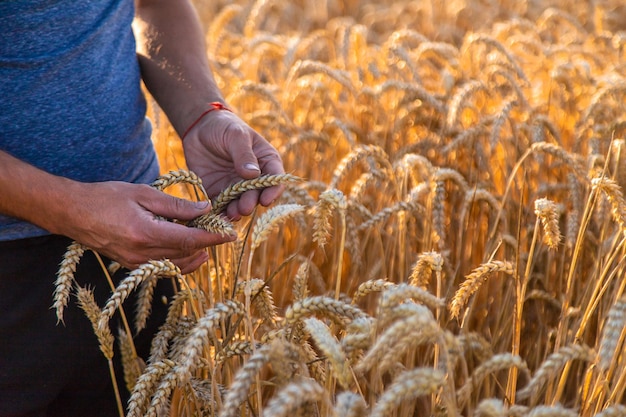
pixel 213 106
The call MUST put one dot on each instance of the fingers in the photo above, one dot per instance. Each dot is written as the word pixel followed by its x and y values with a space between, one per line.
pixel 191 263
pixel 171 207
pixel 244 206
pixel 186 264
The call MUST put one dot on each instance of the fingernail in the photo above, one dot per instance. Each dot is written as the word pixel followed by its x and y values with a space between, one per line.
pixel 201 205
pixel 252 167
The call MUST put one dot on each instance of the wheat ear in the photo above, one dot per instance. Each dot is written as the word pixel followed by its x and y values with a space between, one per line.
pixel 262 297
pixel 234 191
pixel 394 295
pixel 200 335
pixel 473 282
pixel 552 411
pixel 300 282
pixel 238 391
pixel 551 365
pixel 87 303
pixel 547 211
pixel 160 404
pixel 359 335
pixel 407 386
pixel 612 334
pixel 328 200
pixel 350 404
pixel 392 343
pixel 269 220
pixel 213 223
pixel 614 194
pixel 65 277
pixel 370 286
pixel 145 387
pixel 339 311
pixel 234 348
pixel 160 341
pixel 143 308
pixel 495 363
pixel 329 345
pixel 132 365
pixel 294 396
pixel 422 270
pixel 151 269
pixel 491 407
pixel 178 177
pixel 615 410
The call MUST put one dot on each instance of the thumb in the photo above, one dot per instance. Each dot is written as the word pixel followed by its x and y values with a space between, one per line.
pixel 244 159
pixel 177 208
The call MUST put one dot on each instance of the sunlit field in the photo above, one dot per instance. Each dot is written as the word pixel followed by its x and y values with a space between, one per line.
pixel 452 235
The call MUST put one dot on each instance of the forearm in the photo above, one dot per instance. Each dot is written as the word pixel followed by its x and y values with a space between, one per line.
pixel 172 55
pixel 34 195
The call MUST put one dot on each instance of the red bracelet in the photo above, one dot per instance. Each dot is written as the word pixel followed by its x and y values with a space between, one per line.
pixel 216 105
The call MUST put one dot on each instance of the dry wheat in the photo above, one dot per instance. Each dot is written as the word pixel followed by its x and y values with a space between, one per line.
pixel 550 366
pixel 293 396
pixel 269 221
pixel 238 391
pixel 146 385
pixel 234 191
pixel 339 311
pixel 547 211
pixel 612 334
pixel 473 282
pixel 65 277
pixel 407 386
pixel 201 334
pixel 149 270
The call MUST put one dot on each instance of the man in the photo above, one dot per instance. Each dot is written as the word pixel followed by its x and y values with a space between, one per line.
pixel 75 157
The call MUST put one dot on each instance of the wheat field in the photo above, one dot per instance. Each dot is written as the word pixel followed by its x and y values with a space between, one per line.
pixel 452 235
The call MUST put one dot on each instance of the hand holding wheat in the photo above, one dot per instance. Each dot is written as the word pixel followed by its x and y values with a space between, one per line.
pixel 222 150
pixel 123 221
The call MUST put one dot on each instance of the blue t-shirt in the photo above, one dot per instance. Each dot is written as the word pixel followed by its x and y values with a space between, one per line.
pixel 70 94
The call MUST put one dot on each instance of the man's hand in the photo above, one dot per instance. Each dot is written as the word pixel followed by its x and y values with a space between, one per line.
pixel 222 149
pixel 121 221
